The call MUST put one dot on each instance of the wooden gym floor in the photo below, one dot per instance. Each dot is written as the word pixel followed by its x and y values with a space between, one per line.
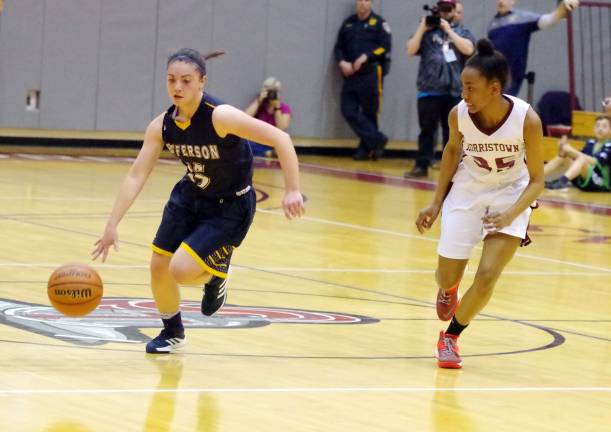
pixel 330 323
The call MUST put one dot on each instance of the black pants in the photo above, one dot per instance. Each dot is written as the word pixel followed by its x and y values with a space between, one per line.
pixel 360 103
pixel 432 111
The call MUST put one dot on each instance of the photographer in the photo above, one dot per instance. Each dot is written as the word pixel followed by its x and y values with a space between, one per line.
pixel 443 47
pixel 268 107
pixel 362 52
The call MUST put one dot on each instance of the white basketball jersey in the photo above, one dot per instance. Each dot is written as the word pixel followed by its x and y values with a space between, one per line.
pixel 494 156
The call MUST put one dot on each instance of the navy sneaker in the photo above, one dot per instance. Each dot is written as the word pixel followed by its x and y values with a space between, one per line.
pixel 167 342
pixel 215 295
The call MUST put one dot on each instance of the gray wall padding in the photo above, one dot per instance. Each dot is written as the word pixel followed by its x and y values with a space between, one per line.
pixel 21 29
pixel 126 65
pixel 100 64
pixel 70 64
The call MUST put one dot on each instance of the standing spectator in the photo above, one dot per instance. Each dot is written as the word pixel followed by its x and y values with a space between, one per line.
pixel 268 107
pixel 510 32
pixel 459 13
pixel 1 5
pixel 362 52
pixel 442 49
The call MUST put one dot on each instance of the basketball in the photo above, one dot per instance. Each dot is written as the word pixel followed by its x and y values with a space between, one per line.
pixel 75 289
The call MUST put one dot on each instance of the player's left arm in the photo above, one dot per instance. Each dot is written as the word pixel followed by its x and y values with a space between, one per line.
pixel 228 120
pixel 533 140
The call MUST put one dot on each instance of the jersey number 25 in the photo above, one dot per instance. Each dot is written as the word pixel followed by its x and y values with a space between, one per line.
pixel 502 163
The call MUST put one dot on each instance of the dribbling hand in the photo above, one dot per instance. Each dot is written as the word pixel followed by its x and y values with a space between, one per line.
pixel 426 217
pixel 102 246
pixel 292 204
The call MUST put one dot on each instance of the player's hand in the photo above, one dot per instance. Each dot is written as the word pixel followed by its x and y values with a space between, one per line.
pixel 427 217
pixel 359 62
pixel 495 221
pixel 346 68
pixel 292 204
pixel 571 4
pixel 102 246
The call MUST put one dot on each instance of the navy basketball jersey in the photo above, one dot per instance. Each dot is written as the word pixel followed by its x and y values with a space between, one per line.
pixel 219 167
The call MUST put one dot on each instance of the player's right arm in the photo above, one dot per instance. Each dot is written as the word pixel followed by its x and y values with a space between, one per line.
pixel 449 164
pixel 131 186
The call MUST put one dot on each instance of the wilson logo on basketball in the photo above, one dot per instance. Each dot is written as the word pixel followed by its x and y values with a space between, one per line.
pixel 119 319
pixel 84 293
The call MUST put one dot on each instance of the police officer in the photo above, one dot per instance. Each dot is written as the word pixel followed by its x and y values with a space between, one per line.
pixel 362 51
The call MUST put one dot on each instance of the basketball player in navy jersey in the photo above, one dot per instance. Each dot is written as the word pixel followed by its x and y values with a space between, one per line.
pixel 211 208
pixel 491 172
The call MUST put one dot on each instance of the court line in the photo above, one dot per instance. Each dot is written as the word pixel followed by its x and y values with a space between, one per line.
pixel 315 390
pixel 367 229
pixel 311 269
pixel 418 237
pixel 75 199
pixel 366 176
pixel 429 185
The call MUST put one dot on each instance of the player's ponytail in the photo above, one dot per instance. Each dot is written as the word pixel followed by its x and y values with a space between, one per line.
pixel 489 62
pixel 213 54
pixel 193 57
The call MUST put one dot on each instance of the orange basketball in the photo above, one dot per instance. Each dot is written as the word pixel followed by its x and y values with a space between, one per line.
pixel 75 289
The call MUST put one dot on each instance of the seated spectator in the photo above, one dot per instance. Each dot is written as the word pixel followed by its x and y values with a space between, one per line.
pixel 589 169
pixel 268 107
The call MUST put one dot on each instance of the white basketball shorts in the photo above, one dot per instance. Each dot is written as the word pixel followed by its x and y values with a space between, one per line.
pixel 462 211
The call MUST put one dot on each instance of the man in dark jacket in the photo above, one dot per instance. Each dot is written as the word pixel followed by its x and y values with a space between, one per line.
pixel 362 52
pixel 443 47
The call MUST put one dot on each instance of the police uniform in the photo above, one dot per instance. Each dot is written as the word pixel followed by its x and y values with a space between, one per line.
pixel 490 178
pixel 361 96
pixel 211 208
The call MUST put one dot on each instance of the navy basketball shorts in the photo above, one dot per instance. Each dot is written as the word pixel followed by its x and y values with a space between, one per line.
pixel 208 229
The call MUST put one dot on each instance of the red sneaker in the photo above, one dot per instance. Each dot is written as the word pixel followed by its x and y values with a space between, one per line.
pixel 447 302
pixel 447 352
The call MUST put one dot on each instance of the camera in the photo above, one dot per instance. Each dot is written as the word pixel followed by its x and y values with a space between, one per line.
pixel 433 19
pixel 272 94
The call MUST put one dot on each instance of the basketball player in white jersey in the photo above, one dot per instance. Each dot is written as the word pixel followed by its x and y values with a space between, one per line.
pixel 491 173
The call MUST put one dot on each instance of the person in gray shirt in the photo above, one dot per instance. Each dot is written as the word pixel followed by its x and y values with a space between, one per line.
pixel 443 47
